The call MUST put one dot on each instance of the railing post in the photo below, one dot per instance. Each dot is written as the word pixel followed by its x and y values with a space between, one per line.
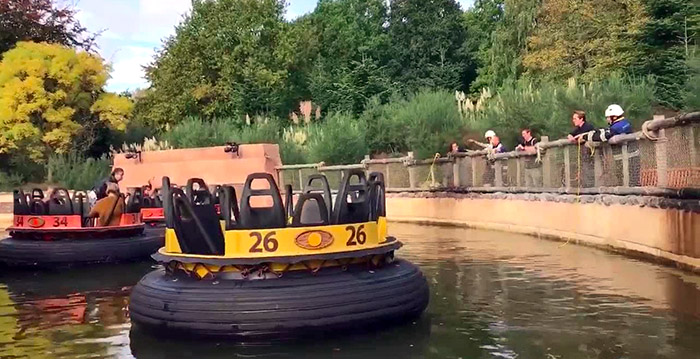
pixel 693 147
pixel 386 175
pixel 498 169
pixel 456 178
pixel 518 172
pixel 567 168
pixel 661 146
pixel 301 180
pixel 412 178
pixel 546 165
pixel 625 166
pixel 473 164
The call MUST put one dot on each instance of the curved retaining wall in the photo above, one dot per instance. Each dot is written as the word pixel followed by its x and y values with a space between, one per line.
pixel 666 231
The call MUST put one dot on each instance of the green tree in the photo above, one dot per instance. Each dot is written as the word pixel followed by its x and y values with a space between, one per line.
pixel 352 52
pixel 427 40
pixel 480 21
pixel 584 38
pixel 227 58
pixel 40 20
pixel 665 47
pixel 51 100
pixel 502 56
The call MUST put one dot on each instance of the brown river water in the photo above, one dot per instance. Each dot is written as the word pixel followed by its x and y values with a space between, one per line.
pixel 493 295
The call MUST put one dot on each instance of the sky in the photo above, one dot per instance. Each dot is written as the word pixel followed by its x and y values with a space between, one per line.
pixel 132 31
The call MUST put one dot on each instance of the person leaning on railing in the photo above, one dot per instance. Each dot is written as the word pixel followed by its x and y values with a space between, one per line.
pixel 109 210
pixel 533 173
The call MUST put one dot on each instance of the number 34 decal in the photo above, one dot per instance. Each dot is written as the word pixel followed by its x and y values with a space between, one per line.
pixel 357 236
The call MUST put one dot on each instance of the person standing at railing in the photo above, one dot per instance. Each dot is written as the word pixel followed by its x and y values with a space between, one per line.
pixel 489 135
pixel 580 126
pixel 454 148
pixel 533 171
pixel 497 146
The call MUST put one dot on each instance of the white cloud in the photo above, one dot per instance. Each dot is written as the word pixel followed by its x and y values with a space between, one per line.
pixel 127 68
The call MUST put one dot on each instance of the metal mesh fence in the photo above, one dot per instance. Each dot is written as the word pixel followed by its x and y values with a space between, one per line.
pixel 671 161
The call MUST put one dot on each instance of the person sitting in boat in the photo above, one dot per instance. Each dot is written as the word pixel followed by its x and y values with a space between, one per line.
pixel 100 190
pixel 109 210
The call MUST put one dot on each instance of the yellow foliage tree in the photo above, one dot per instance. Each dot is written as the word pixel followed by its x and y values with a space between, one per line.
pixel 49 94
pixel 586 38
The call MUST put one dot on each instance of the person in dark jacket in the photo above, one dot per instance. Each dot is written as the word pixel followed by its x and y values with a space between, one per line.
pixel 580 126
pixel 100 188
pixel 619 125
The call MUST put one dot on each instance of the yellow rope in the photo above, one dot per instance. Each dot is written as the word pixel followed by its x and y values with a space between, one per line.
pixel 431 175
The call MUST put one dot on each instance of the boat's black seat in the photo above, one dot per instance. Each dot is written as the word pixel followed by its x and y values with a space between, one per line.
pixel 20 204
pixel 60 203
pixel 37 193
pixel 197 191
pixel 377 196
pixel 135 200
pixel 310 210
pixel 196 224
pixel 318 183
pixel 81 203
pixel 215 192
pixel 352 201
pixel 261 217
pixel 230 212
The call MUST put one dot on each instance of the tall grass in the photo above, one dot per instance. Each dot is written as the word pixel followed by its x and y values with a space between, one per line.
pixel 77 172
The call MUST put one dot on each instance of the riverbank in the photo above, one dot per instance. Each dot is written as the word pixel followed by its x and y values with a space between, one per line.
pixel 651 228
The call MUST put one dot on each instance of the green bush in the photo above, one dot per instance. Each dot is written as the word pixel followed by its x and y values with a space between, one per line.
pixel 10 181
pixel 691 98
pixel 339 139
pixel 424 123
pixel 76 172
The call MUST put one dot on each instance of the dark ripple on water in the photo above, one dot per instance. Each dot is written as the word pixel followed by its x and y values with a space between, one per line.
pixel 493 295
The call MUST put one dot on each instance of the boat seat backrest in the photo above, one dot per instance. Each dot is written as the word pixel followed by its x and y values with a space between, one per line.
pixel 20 204
pixel 288 201
pixel 230 212
pixel 198 195
pixel 318 183
pixel 37 193
pixel 38 207
pixel 196 225
pixel 60 202
pixel 352 201
pixel 215 192
pixel 310 210
pixel 377 196
pixel 81 204
pixel 261 217
pixel 135 200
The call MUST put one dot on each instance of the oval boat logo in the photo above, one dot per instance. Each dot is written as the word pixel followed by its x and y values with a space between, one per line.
pixel 314 240
pixel 35 222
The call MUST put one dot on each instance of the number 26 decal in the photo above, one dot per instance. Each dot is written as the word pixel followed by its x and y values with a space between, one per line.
pixel 356 236
pixel 269 243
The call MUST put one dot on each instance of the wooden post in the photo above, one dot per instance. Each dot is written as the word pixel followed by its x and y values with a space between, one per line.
pixel 567 168
pixel 518 170
pixel 301 180
pixel 661 146
pixel 386 175
pixel 625 166
pixel 546 165
pixel 473 163
pixel 456 178
pixel 498 169
pixel 412 177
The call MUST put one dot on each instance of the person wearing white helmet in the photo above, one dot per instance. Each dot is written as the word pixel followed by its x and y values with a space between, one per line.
pixel 619 125
pixel 489 135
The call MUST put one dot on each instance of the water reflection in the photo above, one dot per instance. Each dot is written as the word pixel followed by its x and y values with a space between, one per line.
pixel 493 295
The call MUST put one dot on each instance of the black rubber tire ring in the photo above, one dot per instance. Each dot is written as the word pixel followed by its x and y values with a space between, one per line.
pixel 293 306
pixel 70 252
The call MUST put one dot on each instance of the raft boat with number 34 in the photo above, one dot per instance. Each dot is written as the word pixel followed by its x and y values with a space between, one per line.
pixel 259 273
pixel 57 231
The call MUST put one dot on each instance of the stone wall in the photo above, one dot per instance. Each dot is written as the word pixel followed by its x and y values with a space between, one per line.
pixel 661 229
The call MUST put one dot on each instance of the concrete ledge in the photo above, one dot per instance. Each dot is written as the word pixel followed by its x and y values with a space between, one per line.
pixel 666 236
